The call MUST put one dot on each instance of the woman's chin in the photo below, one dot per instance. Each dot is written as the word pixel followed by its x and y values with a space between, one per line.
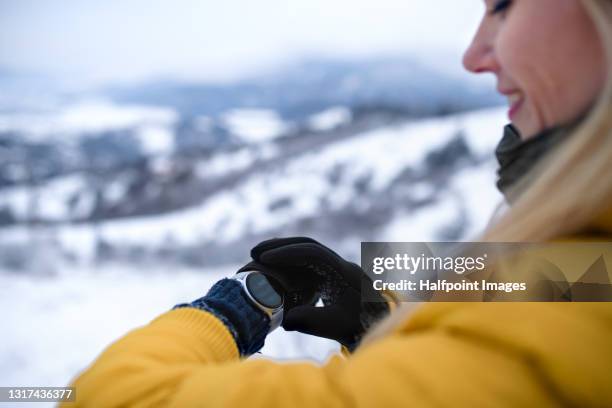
pixel 526 128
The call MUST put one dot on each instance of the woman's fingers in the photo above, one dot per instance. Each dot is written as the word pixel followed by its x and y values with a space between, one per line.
pixel 269 244
pixel 301 254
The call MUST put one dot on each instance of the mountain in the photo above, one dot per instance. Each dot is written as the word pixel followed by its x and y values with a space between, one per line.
pixel 405 85
pixel 429 179
pixel 195 174
pixel 46 133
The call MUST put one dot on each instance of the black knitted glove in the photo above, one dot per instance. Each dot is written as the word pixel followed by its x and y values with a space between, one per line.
pixel 344 316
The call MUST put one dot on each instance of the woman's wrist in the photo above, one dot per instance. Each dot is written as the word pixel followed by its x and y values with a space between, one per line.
pixel 247 324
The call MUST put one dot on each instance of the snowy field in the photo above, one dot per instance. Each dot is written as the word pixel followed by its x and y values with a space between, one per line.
pixel 56 325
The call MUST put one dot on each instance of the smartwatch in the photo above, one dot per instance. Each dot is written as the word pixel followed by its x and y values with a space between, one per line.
pixel 265 293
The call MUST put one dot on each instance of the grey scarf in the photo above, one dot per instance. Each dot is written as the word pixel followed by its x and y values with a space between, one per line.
pixel 518 157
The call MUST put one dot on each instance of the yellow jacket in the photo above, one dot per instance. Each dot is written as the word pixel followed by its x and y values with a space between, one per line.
pixel 445 354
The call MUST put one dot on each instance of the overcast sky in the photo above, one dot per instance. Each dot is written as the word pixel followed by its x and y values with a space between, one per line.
pixel 124 40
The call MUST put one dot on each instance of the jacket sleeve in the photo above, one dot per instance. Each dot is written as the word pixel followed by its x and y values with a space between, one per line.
pixel 186 357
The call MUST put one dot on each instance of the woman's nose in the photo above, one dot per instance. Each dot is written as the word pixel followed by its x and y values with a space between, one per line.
pixel 480 56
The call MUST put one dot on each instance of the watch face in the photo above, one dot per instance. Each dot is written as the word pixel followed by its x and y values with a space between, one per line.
pixel 262 290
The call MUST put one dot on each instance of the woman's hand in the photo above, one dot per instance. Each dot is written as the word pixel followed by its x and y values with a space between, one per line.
pixel 345 316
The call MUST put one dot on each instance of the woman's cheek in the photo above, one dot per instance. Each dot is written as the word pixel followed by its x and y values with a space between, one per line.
pixel 512 47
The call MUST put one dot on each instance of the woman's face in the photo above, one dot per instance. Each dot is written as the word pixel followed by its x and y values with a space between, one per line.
pixel 547 57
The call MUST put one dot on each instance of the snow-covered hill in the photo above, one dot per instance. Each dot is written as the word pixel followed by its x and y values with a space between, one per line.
pixel 422 180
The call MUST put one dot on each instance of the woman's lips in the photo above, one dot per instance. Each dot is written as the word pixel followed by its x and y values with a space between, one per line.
pixel 515 100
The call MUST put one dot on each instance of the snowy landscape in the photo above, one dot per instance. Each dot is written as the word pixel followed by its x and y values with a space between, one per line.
pixel 137 185
pixel 85 261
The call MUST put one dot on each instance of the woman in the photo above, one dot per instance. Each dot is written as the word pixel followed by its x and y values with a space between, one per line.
pixel 551 58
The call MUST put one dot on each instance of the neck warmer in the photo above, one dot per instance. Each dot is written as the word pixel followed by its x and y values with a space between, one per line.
pixel 518 157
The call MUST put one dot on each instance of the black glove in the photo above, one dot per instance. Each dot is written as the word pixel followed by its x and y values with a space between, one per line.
pixel 298 288
pixel 345 317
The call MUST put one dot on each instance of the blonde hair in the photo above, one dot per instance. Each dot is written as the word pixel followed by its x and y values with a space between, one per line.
pixel 569 188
